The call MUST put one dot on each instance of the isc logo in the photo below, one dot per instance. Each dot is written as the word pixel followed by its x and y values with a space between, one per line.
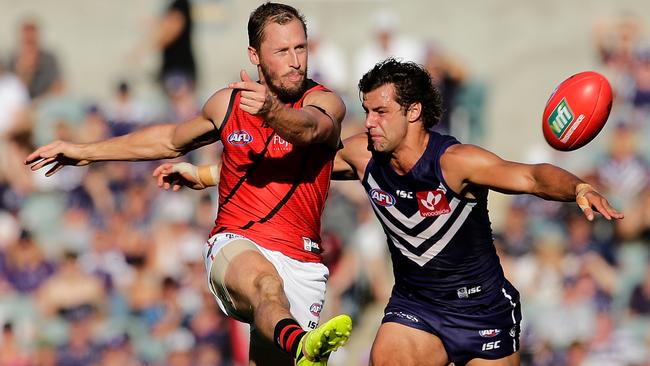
pixel 404 194
pixel 381 197
pixel 560 118
pixel 240 138
pixel 490 346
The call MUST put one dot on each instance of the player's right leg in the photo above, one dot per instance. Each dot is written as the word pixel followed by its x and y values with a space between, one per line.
pixel 398 344
pixel 248 287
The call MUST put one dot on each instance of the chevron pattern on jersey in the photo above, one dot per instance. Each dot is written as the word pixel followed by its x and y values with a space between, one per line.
pixel 420 238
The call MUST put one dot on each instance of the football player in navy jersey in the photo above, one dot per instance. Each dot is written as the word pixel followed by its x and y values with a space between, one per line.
pixel 451 301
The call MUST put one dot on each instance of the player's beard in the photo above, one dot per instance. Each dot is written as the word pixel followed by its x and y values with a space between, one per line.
pixel 286 94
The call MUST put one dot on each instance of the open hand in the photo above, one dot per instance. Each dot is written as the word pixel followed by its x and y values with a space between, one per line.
pixel 59 153
pixel 177 176
pixel 592 201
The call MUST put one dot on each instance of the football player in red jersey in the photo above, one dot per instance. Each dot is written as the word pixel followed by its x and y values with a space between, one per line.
pixel 263 256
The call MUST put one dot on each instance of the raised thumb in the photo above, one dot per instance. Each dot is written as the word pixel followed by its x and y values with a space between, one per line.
pixel 244 76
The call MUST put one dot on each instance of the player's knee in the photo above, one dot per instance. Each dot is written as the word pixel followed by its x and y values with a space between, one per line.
pixel 268 284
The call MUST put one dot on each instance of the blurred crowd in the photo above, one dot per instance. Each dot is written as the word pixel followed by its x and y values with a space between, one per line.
pixel 98 266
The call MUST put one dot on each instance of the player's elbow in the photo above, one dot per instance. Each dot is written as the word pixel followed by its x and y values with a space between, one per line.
pixel 177 141
pixel 307 137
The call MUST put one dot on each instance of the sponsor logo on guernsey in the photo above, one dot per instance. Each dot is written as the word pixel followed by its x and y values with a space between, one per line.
pixel 432 203
pixel 486 333
pixel 315 309
pixel 381 197
pixel 279 143
pixel 239 138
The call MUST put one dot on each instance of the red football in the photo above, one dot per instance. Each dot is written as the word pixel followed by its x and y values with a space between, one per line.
pixel 577 110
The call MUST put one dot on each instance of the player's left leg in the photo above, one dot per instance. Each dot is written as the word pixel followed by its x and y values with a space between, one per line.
pixel 398 344
pixel 512 360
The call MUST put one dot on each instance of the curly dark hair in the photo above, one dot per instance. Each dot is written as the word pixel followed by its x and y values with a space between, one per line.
pixel 270 12
pixel 412 84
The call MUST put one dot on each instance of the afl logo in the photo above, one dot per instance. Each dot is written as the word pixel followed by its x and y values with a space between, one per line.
pixel 381 197
pixel 489 332
pixel 315 309
pixel 240 138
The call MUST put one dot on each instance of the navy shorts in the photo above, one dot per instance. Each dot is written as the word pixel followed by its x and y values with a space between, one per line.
pixel 487 331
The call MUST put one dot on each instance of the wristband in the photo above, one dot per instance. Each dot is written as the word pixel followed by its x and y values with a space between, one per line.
pixel 208 175
pixel 581 190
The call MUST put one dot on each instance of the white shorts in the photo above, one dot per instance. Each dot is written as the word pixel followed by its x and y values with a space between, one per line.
pixel 304 282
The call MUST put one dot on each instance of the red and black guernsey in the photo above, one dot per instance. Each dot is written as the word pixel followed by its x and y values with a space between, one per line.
pixel 271 191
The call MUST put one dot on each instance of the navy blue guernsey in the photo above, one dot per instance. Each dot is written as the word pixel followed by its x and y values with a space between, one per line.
pixel 440 242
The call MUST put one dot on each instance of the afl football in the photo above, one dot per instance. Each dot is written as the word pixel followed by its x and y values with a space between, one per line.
pixel 577 110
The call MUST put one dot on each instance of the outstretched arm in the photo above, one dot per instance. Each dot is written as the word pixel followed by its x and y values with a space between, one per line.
pixel 466 165
pixel 318 121
pixel 151 143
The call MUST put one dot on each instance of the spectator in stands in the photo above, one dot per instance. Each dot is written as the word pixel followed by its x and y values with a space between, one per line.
pixel 639 304
pixel 118 351
pixel 12 352
pixel 35 66
pixel 327 63
pixel 386 42
pixel 14 103
pixel 71 291
pixel 210 328
pixel 623 173
pixel 174 39
pixel 80 348
pixel 515 236
pixel 449 77
pixel 124 113
pixel 641 77
pixel 26 267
